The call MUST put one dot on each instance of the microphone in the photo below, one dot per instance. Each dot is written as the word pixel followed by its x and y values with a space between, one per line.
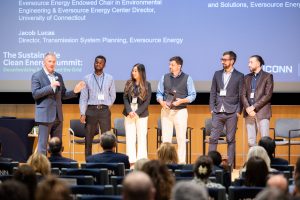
pixel 57 87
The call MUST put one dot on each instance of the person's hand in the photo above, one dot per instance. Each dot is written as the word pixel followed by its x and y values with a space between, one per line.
pixel 250 109
pixel 164 104
pixel 132 114
pixel 252 114
pixel 79 86
pixel 82 119
pixel 55 84
pixel 177 102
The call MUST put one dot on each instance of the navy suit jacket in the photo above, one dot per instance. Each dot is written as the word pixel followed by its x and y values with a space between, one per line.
pixel 231 101
pixel 59 158
pixel 109 157
pixel 279 161
pixel 47 102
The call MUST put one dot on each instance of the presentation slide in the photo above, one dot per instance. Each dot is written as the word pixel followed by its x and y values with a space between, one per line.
pixel 127 32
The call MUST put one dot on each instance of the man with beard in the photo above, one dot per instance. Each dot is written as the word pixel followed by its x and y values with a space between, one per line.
pixel 225 104
pixel 256 98
pixel 95 101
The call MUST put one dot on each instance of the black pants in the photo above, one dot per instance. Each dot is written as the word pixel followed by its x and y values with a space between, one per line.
pixel 96 116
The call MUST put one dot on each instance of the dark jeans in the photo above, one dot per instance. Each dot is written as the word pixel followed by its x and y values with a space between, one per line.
pixel 219 120
pixel 96 118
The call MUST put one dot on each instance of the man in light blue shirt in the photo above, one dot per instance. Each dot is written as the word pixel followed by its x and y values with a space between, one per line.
pixel 95 100
pixel 175 91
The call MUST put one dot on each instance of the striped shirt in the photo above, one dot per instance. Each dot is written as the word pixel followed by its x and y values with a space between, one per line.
pixel 95 86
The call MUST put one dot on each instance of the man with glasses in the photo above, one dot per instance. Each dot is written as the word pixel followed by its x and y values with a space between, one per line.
pixel 225 104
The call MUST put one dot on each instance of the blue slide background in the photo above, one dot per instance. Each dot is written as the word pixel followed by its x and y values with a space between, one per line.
pixel 273 33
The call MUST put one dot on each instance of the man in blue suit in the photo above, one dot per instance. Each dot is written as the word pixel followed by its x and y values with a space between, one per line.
pixel 108 142
pixel 48 90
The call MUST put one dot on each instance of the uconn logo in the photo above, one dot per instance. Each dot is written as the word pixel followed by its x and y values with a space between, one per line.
pixel 282 69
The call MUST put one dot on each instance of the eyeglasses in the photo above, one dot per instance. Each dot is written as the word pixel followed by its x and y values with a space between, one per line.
pixel 224 60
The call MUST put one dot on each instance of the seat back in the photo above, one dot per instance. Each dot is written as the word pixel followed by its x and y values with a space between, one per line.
pixel 92 189
pixel 283 126
pixel 7 168
pixel 119 127
pixel 243 192
pixel 284 168
pixel 80 179
pixel 99 197
pixel 76 128
pixel 217 193
pixel 101 175
pixel 114 169
pixel 184 173
pixel 115 181
pixel 61 165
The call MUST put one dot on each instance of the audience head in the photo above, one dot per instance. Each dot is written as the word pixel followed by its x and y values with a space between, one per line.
pixel 108 141
pixel 296 191
pixel 188 190
pixel 167 153
pixel 253 176
pixel 138 186
pixel 280 182
pixel 271 194
pixel 216 157
pixel 26 175
pixel 140 163
pixel 259 152
pixel 39 163
pixel 203 167
pixel 52 188
pixel 13 190
pixel 162 179
pixel 55 146
pixel 297 168
pixel 268 144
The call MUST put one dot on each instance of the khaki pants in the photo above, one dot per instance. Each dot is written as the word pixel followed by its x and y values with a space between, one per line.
pixel 177 118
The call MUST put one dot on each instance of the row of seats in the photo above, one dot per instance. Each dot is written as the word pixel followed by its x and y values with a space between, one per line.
pixel 284 131
pixel 94 179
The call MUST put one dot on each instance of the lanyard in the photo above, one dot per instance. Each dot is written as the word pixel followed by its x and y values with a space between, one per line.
pixel 223 79
pixel 98 82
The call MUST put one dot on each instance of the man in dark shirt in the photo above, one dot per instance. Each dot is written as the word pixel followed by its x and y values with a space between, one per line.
pixel 108 142
pixel 269 145
pixel 55 149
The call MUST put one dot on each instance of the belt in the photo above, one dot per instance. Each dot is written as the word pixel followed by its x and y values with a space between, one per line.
pixel 100 107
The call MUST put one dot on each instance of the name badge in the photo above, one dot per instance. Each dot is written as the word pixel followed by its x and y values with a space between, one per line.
pixel 252 95
pixel 101 96
pixel 134 100
pixel 223 93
